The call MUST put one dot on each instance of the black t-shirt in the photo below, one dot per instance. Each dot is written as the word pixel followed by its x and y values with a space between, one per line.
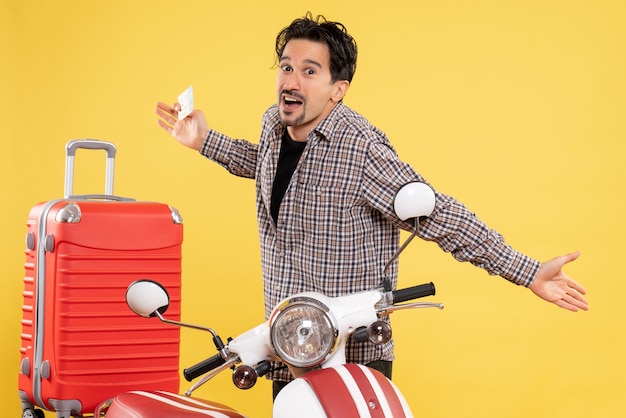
pixel 290 152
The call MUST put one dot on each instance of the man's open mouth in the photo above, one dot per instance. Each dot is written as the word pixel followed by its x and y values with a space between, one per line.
pixel 290 101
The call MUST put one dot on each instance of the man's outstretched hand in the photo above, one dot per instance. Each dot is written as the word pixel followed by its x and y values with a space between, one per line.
pixel 189 131
pixel 553 285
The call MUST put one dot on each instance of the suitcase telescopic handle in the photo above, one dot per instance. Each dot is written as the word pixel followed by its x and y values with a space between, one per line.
pixel 70 153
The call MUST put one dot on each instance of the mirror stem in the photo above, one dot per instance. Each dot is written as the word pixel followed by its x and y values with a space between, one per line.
pixel 397 254
pixel 182 324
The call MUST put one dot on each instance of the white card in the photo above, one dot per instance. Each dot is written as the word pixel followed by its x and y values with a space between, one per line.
pixel 185 99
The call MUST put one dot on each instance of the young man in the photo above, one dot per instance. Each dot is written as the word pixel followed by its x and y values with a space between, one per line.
pixel 325 183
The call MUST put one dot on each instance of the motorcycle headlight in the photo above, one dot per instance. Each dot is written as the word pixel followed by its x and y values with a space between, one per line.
pixel 302 332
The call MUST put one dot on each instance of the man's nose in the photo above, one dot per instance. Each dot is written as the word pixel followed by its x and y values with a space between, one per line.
pixel 291 82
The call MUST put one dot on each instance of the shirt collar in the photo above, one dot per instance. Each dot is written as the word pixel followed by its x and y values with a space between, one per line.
pixel 327 126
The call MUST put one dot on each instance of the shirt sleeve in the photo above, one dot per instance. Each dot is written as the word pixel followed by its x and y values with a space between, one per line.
pixel 458 231
pixel 452 226
pixel 238 156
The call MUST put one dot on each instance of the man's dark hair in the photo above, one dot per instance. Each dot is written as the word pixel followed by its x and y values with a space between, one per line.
pixel 342 47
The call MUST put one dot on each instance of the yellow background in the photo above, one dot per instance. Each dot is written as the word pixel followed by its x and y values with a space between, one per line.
pixel 517 108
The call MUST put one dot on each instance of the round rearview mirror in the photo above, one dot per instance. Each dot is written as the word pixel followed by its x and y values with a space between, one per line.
pixel 146 297
pixel 414 200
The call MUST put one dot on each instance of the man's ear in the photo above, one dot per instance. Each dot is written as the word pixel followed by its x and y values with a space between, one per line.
pixel 341 88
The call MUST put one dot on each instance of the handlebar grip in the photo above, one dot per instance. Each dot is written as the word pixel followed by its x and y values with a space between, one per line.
pixel 419 291
pixel 203 367
pixel 360 335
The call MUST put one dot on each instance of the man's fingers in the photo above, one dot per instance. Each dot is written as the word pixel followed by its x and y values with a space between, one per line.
pixel 573 298
pixel 568 258
pixel 167 111
pixel 165 126
pixel 565 305
pixel 166 114
pixel 579 300
pixel 575 285
pixel 164 108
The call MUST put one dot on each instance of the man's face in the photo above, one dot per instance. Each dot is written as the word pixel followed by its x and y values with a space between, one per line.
pixel 306 93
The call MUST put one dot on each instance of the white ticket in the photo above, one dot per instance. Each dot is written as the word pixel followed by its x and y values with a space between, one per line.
pixel 185 99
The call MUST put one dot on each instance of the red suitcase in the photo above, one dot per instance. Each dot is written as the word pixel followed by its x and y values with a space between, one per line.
pixel 81 344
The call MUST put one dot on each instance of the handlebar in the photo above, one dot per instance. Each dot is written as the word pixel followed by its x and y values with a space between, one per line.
pixel 398 296
pixel 419 291
pixel 203 367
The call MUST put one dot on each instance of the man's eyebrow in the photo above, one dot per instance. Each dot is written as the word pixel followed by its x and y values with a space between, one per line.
pixel 307 61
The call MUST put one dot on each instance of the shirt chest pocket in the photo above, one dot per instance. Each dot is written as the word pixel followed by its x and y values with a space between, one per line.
pixel 327 182
pixel 327 201
pixel 319 200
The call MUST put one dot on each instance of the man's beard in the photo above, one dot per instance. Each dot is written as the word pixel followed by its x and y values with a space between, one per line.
pixel 296 122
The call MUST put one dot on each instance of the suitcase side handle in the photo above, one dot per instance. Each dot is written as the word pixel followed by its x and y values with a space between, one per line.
pixel 94 144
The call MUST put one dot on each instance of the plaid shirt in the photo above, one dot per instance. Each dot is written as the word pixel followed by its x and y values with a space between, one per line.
pixel 336 228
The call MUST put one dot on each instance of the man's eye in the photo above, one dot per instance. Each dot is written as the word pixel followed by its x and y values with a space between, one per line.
pixel 286 68
pixel 310 71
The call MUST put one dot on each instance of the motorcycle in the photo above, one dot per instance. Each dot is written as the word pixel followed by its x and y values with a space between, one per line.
pixel 308 333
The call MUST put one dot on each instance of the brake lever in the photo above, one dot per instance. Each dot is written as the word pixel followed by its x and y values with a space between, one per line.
pixel 416 305
pixel 230 362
